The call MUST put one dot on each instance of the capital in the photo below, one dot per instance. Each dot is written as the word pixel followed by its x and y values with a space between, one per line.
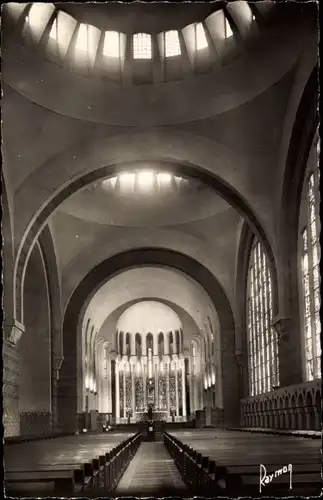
pixel 13 331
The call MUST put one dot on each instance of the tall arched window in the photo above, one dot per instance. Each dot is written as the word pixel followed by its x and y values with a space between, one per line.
pixel 310 273
pixel 177 341
pixel 161 344
pixel 262 338
pixel 138 345
pixel 149 342
pixel 171 343
pixel 128 344
pixel 121 343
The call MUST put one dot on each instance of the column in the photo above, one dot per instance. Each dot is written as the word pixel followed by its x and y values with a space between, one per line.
pixel 156 383
pixel 183 390
pixel 167 389
pixel 133 386
pixel 117 393
pixel 176 388
pixel 144 384
pixel 124 394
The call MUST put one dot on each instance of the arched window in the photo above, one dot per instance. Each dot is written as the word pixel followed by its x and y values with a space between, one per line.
pixel 177 341
pixel 161 345
pixel 142 46
pixel 171 343
pixel 149 342
pixel 128 344
pixel 262 338
pixel 121 343
pixel 310 255
pixel 138 345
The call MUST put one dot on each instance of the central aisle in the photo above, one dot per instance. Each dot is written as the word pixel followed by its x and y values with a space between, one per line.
pixel 151 472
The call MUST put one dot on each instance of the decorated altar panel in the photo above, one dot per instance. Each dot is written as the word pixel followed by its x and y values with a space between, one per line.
pixel 152 384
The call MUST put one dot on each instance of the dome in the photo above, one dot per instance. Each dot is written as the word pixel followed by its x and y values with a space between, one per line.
pixel 146 197
pixel 149 317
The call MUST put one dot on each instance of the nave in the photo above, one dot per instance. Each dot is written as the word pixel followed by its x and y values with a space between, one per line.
pixel 180 462
pixel 161 228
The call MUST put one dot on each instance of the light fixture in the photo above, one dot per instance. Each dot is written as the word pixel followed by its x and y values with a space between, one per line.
pixel 127 181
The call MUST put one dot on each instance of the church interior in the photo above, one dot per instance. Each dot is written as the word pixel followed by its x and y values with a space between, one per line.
pixel 161 249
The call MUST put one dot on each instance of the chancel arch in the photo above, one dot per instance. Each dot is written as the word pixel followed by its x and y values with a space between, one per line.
pixel 175 261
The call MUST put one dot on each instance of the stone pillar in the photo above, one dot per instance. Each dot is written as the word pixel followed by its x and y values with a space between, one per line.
pixel 124 394
pixel 290 356
pixel 10 389
pixel 293 418
pixel 176 389
pixel 308 419
pixel 183 391
pixel 133 389
pixel 156 381
pixel 144 367
pixel 117 393
pixel 317 417
pixel 167 390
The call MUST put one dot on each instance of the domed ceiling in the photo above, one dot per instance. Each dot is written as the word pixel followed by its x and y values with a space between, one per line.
pixel 149 317
pixel 145 197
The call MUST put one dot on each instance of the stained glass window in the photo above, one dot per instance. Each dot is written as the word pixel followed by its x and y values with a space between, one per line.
pixel 142 46
pixel 311 279
pixel 262 338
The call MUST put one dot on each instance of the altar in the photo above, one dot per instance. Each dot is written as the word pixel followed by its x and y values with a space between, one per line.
pixel 156 415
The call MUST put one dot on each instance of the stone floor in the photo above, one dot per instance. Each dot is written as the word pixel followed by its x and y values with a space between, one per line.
pixel 151 472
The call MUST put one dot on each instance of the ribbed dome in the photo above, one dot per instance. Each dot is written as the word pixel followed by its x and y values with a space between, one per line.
pixel 149 317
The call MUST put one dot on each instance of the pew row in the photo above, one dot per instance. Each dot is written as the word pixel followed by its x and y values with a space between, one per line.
pixel 294 433
pixel 203 476
pixel 97 476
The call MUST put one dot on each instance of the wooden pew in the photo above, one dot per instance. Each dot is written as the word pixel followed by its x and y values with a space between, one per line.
pixel 243 478
pixel 90 476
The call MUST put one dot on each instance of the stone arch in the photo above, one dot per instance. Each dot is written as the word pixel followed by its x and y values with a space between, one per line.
pixel 303 133
pixel 34 227
pixel 35 377
pixel 108 268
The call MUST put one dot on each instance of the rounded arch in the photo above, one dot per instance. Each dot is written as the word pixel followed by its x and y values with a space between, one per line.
pixel 135 258
pixel 186 169
pixel 303 133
